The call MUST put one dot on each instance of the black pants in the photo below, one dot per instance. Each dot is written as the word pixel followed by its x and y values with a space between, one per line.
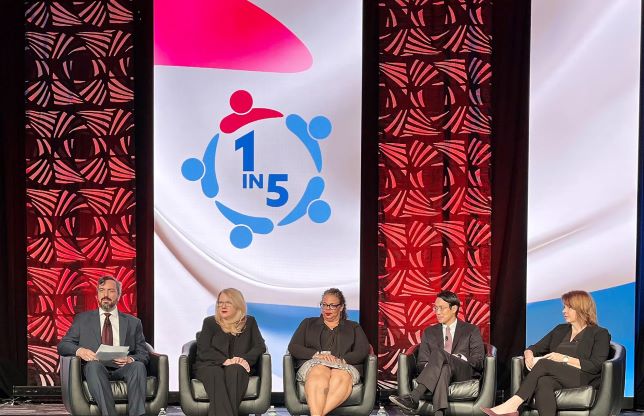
pixel 441 369
pixel 225 386
pixel 98 381
pixel 546 377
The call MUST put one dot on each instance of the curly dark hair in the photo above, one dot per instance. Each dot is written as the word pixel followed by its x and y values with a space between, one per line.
pixel 338 293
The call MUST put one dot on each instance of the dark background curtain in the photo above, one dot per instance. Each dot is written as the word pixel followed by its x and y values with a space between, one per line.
pixel 369 172
pixel 639 285
pixel 13 308
pixel 143 132
pixel 511 63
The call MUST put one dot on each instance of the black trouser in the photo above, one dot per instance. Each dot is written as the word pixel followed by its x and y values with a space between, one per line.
pixel 546 377
pixel 98 381
pixel 441 369
pixel 225 387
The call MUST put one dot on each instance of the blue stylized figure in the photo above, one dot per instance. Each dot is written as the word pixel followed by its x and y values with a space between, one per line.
pixel 245 225
pixel 194 169
pixel 319 128
pixel 318 210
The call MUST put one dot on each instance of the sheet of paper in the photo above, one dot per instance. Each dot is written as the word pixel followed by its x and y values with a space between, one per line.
pixel 107 353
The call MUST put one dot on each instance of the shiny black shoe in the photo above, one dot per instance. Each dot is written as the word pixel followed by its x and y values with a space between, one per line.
pixel 405 402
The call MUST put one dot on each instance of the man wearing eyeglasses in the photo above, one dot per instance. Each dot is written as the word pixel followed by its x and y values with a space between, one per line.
pixel 450 351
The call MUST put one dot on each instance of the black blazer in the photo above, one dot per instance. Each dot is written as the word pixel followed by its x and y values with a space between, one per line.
pixel 85 332
pixel 467 341
pixel 352 343
pixel 213 343
pixel 592 350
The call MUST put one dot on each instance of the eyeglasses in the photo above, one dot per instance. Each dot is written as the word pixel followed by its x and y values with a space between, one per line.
pixel 222 304
pixel 332 306
pixel 437 308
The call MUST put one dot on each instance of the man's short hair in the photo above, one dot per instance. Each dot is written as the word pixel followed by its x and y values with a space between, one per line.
pixel 451 298
pixel 103 279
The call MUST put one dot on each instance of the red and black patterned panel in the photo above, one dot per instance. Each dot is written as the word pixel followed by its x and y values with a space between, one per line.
pixel 434 164
pixel 80 166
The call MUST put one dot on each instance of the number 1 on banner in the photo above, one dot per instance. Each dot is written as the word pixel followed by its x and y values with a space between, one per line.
pixel 247 144
pixel 250 181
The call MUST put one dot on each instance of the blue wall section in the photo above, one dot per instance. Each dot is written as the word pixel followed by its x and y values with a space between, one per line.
pixel 615 312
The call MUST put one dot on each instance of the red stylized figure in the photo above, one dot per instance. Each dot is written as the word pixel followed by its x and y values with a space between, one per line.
pixel 241 103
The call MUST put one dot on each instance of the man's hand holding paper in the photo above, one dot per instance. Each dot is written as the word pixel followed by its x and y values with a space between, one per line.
pixel 112 355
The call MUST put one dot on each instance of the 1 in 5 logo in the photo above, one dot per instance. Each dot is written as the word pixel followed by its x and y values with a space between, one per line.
pixel 276 185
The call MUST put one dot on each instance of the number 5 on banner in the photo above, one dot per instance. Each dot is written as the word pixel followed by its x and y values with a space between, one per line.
pixel 282 193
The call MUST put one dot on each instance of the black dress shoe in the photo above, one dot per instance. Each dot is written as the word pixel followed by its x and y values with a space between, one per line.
pixel 405 402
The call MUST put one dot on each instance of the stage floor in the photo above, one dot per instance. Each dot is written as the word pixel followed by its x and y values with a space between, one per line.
pixel 59 410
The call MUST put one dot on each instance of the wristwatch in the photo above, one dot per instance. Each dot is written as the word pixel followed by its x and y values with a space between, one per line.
pixel 565 359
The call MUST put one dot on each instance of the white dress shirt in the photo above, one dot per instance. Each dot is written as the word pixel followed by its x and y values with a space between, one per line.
pixel 452 329
pixel 114 320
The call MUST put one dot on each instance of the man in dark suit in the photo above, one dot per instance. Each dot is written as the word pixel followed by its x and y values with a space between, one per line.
pixel 450 351
pixel 109 326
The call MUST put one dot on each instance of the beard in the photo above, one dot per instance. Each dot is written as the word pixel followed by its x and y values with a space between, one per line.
pixel 107 305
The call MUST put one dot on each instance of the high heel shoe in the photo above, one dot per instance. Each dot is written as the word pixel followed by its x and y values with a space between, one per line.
pixel 490 412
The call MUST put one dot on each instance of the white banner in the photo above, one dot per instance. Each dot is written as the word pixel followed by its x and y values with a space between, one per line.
pixel 256 162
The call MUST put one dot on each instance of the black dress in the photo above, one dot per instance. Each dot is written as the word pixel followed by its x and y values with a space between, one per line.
pixel 347 341
pixel 226 385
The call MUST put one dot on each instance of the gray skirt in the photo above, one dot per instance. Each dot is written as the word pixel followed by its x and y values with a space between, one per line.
pixel 306 367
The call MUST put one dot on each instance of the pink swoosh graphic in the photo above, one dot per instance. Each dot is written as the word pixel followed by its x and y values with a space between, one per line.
pixel 225 34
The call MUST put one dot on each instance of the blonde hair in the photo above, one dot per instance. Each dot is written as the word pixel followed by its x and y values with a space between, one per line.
pixel 236 324
pixel 583 304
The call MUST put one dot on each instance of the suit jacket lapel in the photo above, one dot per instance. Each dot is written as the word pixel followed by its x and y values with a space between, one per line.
pixel 96 326
pixel 122 328
pixel 439 335
pixel 458 334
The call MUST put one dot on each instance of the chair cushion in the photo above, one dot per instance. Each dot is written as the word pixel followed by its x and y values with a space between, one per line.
pixel 459 391
pixel 579 398
pixel 200 395
pixel 119 390
pixel 355 398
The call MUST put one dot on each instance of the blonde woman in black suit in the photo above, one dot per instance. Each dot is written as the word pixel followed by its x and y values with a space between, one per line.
pixel 571 355
pixel 228 347
pixel 329 351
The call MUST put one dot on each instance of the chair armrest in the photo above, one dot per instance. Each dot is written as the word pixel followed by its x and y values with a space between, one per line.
pixel 155 364
pixel 487 392
pixel 406 371
pixel 71 383
pixel 516 373
pixel 158 367
pixel 611 388
pixel 370 381
pixel 185 370
pixel 185 390
pixel 290 390
pixel 265 373
pixel 185 350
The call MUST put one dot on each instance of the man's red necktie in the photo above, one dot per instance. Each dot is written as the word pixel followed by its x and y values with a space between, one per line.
pixel 106 335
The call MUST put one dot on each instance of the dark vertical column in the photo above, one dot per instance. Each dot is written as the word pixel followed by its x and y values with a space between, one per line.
pixel 639 284
pixel 13 294
pixel 144 122
pixel 511 62
pixel 369 173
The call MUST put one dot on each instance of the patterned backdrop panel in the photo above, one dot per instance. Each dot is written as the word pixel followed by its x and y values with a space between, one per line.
pixel 80 166
pixel 434 164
